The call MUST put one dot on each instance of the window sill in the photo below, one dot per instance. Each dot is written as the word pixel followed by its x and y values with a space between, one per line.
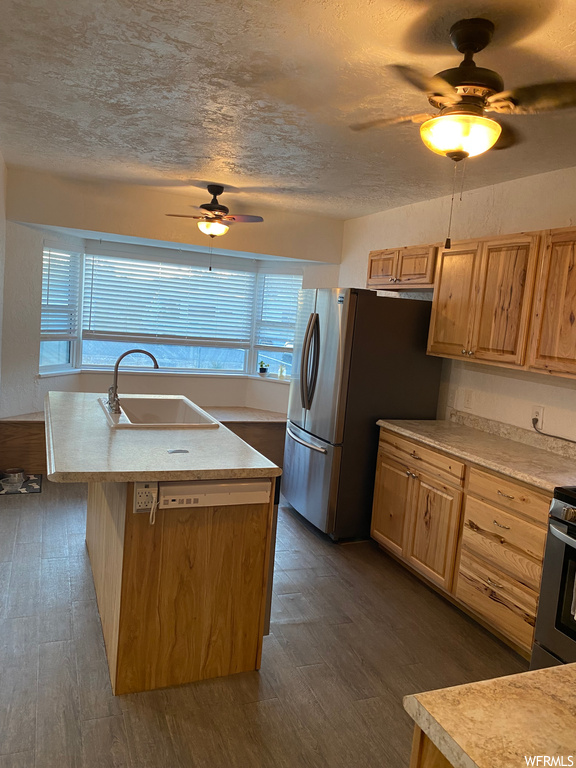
pixel 153 372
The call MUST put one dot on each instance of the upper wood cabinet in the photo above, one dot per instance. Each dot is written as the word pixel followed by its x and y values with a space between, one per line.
pixel 451 321
pixel 482 300
pixel 553 338
pixel 400 268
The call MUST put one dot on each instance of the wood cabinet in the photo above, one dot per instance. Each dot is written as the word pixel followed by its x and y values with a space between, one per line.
pixel 432 531
pixel 390 503
pixel 416 509
pixel 402 268
pixel 492 564
pixel 502 549
pixel 553 341
pixel 482 300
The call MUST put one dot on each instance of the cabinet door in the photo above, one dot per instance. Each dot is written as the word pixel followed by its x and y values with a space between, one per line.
pixel 453 304
pixel 391 492
pixel 416 267
pixel 382 267
pixel 432 530
pixel 504 296
pixel 553 342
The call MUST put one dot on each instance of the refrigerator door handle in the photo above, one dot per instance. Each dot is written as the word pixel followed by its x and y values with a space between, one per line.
pixel 303 442
pixel 304 364
pixel 315 341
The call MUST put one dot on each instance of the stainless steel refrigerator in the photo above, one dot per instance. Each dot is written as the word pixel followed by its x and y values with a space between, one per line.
pixel 358 357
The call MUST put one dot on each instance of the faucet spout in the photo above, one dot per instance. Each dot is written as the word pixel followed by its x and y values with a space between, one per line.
pixel 113 400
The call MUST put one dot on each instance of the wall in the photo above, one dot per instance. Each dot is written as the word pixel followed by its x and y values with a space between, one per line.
pixel 2 242
pixel 531 203
pixel 139 211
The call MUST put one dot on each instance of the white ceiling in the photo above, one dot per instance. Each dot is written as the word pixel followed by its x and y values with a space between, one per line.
pixel 259 94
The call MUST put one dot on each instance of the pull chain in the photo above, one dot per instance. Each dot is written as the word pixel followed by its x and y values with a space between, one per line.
pixel 448 242
pixel 464 166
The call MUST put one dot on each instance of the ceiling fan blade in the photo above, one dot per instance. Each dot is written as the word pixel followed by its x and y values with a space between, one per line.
pixel 432 86
pixel 384 121
pixel 183 216
pixel 532 99
pixel 239 219
pixel 508 138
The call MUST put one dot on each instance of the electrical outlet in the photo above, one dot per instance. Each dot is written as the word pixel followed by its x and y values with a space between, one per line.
pixel 145 496
pixel 451 398
pixel 538 414
pixel 468 394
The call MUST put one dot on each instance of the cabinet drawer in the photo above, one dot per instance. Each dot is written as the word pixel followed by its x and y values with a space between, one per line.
pixel 418 456
pixel 505 604
pixel 511 544
pixel 509 495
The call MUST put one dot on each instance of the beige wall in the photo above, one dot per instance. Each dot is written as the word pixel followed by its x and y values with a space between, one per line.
pixel 2 243
pixel 139 211
pixel 532 203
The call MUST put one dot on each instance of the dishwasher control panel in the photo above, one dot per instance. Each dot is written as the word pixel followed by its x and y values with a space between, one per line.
pixel 213 493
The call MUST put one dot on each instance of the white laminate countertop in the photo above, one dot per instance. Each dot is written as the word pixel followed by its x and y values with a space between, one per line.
pixel 542 469
pixel 497 723
pixel 82 447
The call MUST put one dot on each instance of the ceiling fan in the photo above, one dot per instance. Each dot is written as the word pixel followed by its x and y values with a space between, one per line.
pixel 465 93
pixel 215 219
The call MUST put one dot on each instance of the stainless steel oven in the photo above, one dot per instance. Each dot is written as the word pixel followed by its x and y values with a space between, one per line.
pixel 555 633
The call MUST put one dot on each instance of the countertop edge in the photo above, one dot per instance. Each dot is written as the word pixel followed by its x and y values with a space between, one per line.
pixel 168 476
pixel 472 458
pixel 441 739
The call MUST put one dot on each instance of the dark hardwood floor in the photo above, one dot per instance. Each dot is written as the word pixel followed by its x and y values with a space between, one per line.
pixel 351 634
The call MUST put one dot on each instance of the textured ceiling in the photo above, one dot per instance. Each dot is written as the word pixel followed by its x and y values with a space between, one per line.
pixel 259 94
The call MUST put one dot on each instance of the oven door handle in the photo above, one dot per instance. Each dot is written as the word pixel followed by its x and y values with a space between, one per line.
pixel 564 537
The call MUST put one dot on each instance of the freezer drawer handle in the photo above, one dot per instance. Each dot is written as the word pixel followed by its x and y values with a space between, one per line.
pixel 303 442
pixel 564 538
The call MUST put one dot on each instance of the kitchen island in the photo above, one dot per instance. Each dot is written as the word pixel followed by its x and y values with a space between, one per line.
pixel 181 591
pixel 502 723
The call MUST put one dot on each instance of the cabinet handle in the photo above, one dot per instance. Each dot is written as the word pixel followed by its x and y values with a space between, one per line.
pixel 463 351
pixel 470 352
pixel 494 583
pixel 408 473
pixel 505 527
pixel 415 456
pixel 505 495
pixel 414 476
pixel 390 279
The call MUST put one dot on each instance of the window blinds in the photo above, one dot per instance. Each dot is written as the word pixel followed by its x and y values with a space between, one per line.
pixel 60 294
pixel 137 299
pixel 276 310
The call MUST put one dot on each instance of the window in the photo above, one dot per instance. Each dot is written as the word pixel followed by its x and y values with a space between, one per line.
pixel 60 310
pixel 190 317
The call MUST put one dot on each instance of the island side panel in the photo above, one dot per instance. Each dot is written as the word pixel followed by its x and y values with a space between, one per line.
pixel 193 595
pixel 425 754
pixel 105 521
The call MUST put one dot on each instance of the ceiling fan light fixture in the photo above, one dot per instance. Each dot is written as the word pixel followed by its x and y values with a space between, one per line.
pixel 460 135
pixel 213 228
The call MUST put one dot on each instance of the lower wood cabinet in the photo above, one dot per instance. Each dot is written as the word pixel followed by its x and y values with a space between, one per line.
pixel 390 503
pixel 416 515
pixel 483 546
pixel 432 532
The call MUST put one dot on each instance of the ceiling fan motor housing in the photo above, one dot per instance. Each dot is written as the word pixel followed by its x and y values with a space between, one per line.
pixel 214 206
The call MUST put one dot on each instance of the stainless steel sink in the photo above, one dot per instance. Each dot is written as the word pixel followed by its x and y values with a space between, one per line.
pixel 161 411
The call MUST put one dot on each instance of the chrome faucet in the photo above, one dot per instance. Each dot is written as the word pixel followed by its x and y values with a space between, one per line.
pixel 113 401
